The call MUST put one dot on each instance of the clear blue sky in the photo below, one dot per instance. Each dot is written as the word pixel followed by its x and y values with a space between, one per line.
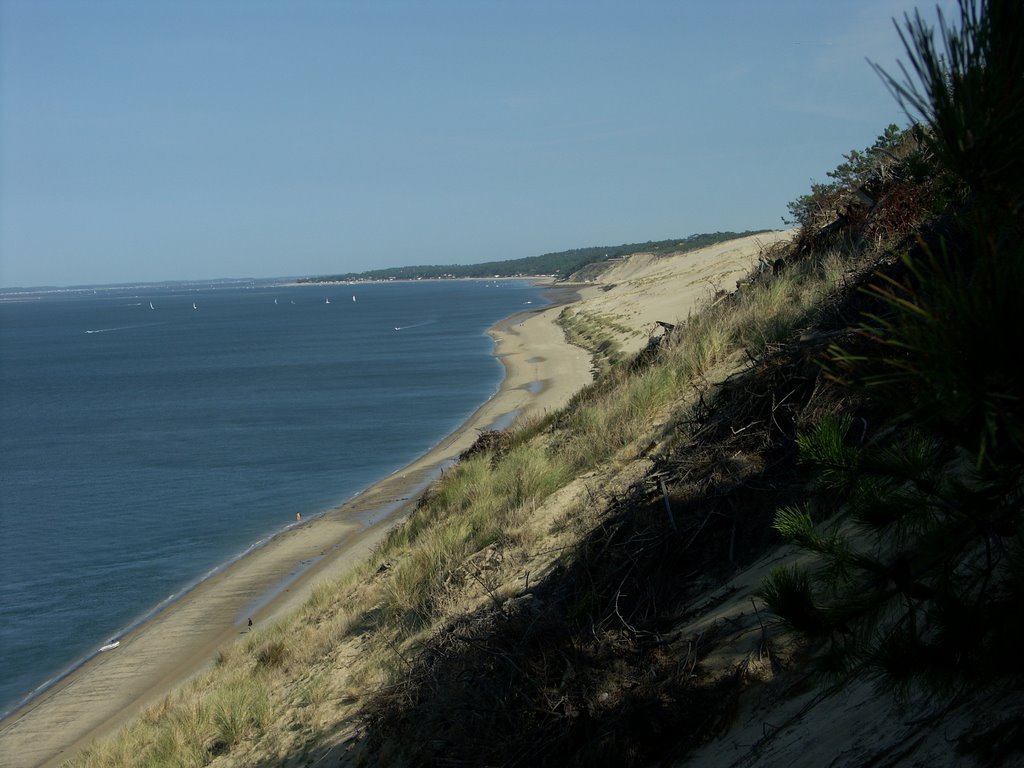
pixel 150 140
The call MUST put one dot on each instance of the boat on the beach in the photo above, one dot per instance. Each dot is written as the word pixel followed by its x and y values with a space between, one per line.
pixel 110 646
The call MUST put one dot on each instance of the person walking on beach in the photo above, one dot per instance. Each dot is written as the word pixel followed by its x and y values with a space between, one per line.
pixel 250 623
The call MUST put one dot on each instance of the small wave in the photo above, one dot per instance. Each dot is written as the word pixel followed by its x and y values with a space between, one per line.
pixel 122 328
pixel 414 325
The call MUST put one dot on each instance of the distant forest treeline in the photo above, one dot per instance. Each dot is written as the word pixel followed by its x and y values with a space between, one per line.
pixel 561 264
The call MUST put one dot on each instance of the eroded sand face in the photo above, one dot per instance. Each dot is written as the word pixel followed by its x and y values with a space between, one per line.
pixel 641 290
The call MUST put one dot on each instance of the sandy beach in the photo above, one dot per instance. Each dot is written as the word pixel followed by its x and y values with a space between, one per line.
pixel 542 372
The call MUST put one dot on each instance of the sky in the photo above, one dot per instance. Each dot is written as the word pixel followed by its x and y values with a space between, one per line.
pixel 193 140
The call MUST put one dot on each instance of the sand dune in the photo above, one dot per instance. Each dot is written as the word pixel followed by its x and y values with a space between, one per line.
pixel 542 372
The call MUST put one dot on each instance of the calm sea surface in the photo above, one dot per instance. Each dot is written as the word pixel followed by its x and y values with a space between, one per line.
pixel 149 435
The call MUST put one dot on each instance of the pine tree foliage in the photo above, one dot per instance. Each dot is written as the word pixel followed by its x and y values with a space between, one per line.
pixel 912 549
pixel 968 87
pixel 855 171
pixel 917 535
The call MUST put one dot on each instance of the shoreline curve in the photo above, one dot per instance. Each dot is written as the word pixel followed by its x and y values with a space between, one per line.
pixel 181 638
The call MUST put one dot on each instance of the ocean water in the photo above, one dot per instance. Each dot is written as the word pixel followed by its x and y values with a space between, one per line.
pixel 148 435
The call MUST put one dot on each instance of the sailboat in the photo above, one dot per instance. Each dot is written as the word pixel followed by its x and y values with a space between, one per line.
pixel 275 301
pixel 327 301
pixel 353 298
pixel 151 305
pixel 194 305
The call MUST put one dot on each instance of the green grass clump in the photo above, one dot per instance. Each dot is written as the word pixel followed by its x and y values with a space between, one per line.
pixel 597 334
pixel 241 708
pixel 471 507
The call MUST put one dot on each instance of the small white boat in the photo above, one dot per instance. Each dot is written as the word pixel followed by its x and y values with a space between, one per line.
pixel 151 305
pixel 110 646
pixel 327 301
pixel 194 305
